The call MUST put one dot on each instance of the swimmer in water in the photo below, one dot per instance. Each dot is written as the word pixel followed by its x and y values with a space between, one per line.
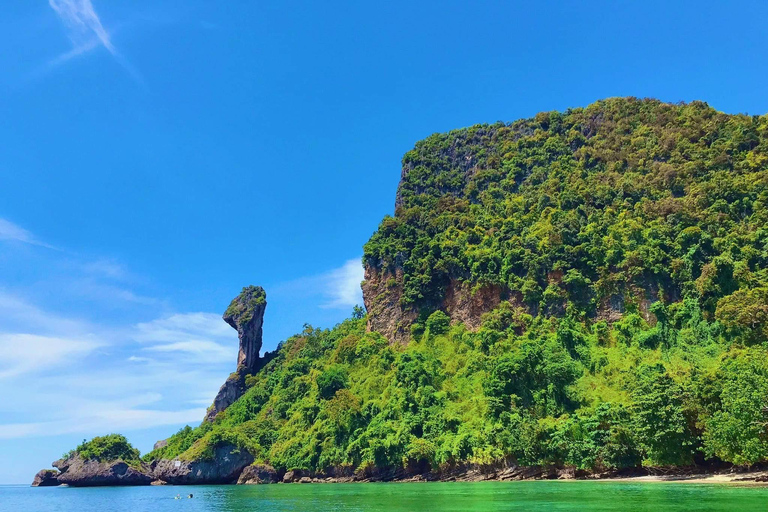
pixel 190 496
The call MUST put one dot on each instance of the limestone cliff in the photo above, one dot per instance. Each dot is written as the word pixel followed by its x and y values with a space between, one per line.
pixel 246 315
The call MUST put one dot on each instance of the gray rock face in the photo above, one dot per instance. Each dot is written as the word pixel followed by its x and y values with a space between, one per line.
pixel 46 478
pixel 160 444
pixel 224 468
pixel 77 472
pixel 246 315
pixel 258 474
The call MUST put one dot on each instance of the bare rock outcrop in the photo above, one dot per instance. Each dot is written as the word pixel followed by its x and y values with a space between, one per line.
pixel 78 472
pixel 46 478
pixel 246 315
pixel 224 467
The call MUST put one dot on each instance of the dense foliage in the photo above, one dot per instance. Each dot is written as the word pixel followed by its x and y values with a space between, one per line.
pixel 625 200
pixel 244 304
pixel 106 449
pixel 561 393
pixel 632 239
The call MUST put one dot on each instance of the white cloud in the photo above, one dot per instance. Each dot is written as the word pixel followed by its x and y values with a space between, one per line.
pixel 106 268
pixel 336 288
pixel 105 418
pixel 63 375
pixel 202 336
pixel 17 315
pixel 10 231
pixel 182 326
pixel 74 52
pixel 96 289
pixel 83 24
pixel 25 353
pixel 343 285
pixel 87 33
pixel 209 350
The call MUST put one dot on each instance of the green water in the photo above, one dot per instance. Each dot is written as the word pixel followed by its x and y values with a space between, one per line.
pixel 465 497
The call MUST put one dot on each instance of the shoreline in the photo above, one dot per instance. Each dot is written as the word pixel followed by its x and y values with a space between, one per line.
pixel 695 475
pixel 94 474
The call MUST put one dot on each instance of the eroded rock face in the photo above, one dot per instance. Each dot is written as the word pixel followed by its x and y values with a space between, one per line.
pixel 46 478
pixel 78 472
pixel 224 468
pixel 246 315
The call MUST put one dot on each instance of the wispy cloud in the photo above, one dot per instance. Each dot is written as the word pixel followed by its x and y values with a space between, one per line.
pixel 342 285
pixel 10 231
pixel 106 268
pixel 83 23
pixel 86 31
pixel 181 326
pixel 18 314
pixel 107 416
pixel 202 336
pixel 25 353
pixel 95 378
pixel 335 289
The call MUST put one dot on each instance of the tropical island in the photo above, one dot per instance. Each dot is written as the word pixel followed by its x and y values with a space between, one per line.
pixel 578 294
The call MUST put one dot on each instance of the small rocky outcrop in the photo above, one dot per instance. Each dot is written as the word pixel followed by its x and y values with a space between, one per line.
pixel 160 444
pixel 224 467
pixel 259 474
pixel 78 472
pixel 292 476
pixel 246 315
pixel 46 478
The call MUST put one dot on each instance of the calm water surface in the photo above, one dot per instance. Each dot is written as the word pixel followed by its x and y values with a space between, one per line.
pixel 464 497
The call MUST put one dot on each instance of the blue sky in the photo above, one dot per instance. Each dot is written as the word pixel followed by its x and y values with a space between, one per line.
pixel 159 155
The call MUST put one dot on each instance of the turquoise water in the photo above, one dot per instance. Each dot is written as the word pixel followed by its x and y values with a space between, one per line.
pixel 411 497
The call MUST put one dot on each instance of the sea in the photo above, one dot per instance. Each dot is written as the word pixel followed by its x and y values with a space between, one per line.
pixel 528 496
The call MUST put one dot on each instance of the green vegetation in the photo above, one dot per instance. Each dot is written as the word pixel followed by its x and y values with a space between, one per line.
pixel 561 393
pixel 631 200
pixel 243 305
pixel 107 449
pixel 631 241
